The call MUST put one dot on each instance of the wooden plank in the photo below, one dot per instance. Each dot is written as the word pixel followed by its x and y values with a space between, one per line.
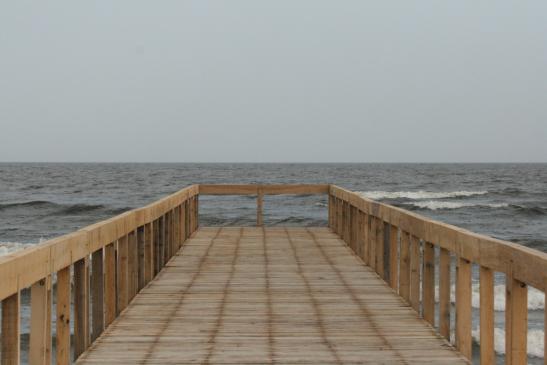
pixel 141 267
pixel 11 330
pixel 444 293
pixel 393 256
pixel 429 283
pixel 404 269
pixel 81 306
pixel 372 241
pixel 40 322
pixel 380 248
pixel 366 238
pixel 157 247
pixel 148 253
pixel 259 203
pixel 463 307
pixel 487 316
pixel 516 307
pixel 415 281
pixel 62 348
pixel 269 295
pixel 109 284
pixel 122 275
pixel 97 294
pixel 183 222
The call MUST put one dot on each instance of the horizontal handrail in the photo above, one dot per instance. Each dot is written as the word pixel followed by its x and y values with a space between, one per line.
pixel 265 189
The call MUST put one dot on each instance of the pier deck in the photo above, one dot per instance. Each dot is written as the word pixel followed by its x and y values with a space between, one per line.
pixel 272 295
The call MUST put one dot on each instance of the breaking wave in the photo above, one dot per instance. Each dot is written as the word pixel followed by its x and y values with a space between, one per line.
pixel 535 345
pixel 420 194
pixel 435 205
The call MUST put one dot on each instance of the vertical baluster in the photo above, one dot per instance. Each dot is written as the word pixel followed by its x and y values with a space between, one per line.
pixel 415 273
pixel 404 270
pixel 109 283
pixel 132 262
pixel 40 322
pixel 393 256
pixel 63 317
pixel 141 257
pixel 157 246
pixel 429 283
pixel 372 242
pixel 148 253
pixel 516 321
pixel 97 294
pixel 81 306
pixel 364 228
pixel 366 233
pixel 463 307
pixel 487 316
pixel 122 274
pixel 444 293
pixel 11 329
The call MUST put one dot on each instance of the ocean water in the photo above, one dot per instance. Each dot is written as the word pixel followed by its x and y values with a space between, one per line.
pixel 507 201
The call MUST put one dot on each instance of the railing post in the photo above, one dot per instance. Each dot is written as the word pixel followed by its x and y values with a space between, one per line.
pixel 404 270
pixel 109 283
pixel 259 202
pixel 415 273
pixel 63 317
pixel 393 255
pixel 463 307
pixel 429 283
pixel 380 248
pixel 97 287
pixel 11 329
pixel 81 306
pixel 142 253
pixel 148 253
pixel 444 293
pixel 516 321
pixel 122 274
pixel 40 322
pixel 487 316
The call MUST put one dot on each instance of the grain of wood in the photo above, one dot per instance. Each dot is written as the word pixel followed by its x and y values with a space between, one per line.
pixel 81 306
pixel 415 281
pixel 40 322
pixel 62 347
pixel 97 294
pixel 110 296
pixel 463 307
pixel 429 283
pixel 11 328
pixel 444 293
pixel 268 295
pixel 487 316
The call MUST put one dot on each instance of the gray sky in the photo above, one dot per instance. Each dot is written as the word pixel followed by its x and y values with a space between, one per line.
pixel 353 81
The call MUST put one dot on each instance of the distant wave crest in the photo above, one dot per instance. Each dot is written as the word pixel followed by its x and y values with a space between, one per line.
pixel 435 205
pixel 420 194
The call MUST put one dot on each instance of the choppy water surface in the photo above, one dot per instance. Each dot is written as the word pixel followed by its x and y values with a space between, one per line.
pixel 507 201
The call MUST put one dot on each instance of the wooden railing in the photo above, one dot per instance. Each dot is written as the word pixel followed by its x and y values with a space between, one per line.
pixel 400 246
pixel 113 260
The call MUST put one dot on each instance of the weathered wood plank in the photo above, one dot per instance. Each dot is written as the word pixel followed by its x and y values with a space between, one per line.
pixel 429 283
pixel 97 294
pixel 62 348
pixel 11 330
pixel 516 322
pixel 122 275
pixel 110 296
pixel 463 307
pixel 404 269
pixel 81 306
pixel 415 281
pixel 487 316
pixel 444 293
pixel 40 322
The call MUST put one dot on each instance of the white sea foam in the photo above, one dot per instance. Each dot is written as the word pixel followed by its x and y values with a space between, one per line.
pixel 535 341
pixel 434 205
pixel 536 298
pixel 8 247
pixel 420 194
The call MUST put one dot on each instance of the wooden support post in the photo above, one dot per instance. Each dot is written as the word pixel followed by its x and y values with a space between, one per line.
pixel 62 348
pixel 196 197
pixel 415 273
pixel 11 330
pixel 122 274
pixel 183 222
pixel 444 293
pixel 463 307
pixel 259 202
pixel 132 262
pixel 97 294
pixel 81 306
pixel 404 270
pixel 366 238
pixel 141 243
pixel 188 227
pixel 329 209
pixel 163 240
pixel 380 248
pixel 148 253
pixel 109 283
pixel 516 321
pixel 373 246
pixel 393 256
pixel 40 322
pixel 487 316
pixel 429 283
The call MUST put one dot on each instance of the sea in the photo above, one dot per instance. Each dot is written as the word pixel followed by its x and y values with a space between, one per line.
pixel 39 201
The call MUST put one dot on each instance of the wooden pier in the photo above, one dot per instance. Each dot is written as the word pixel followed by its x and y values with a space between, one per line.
pixel 152 286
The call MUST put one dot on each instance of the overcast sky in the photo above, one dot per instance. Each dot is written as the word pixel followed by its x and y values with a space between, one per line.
pixel 273 81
